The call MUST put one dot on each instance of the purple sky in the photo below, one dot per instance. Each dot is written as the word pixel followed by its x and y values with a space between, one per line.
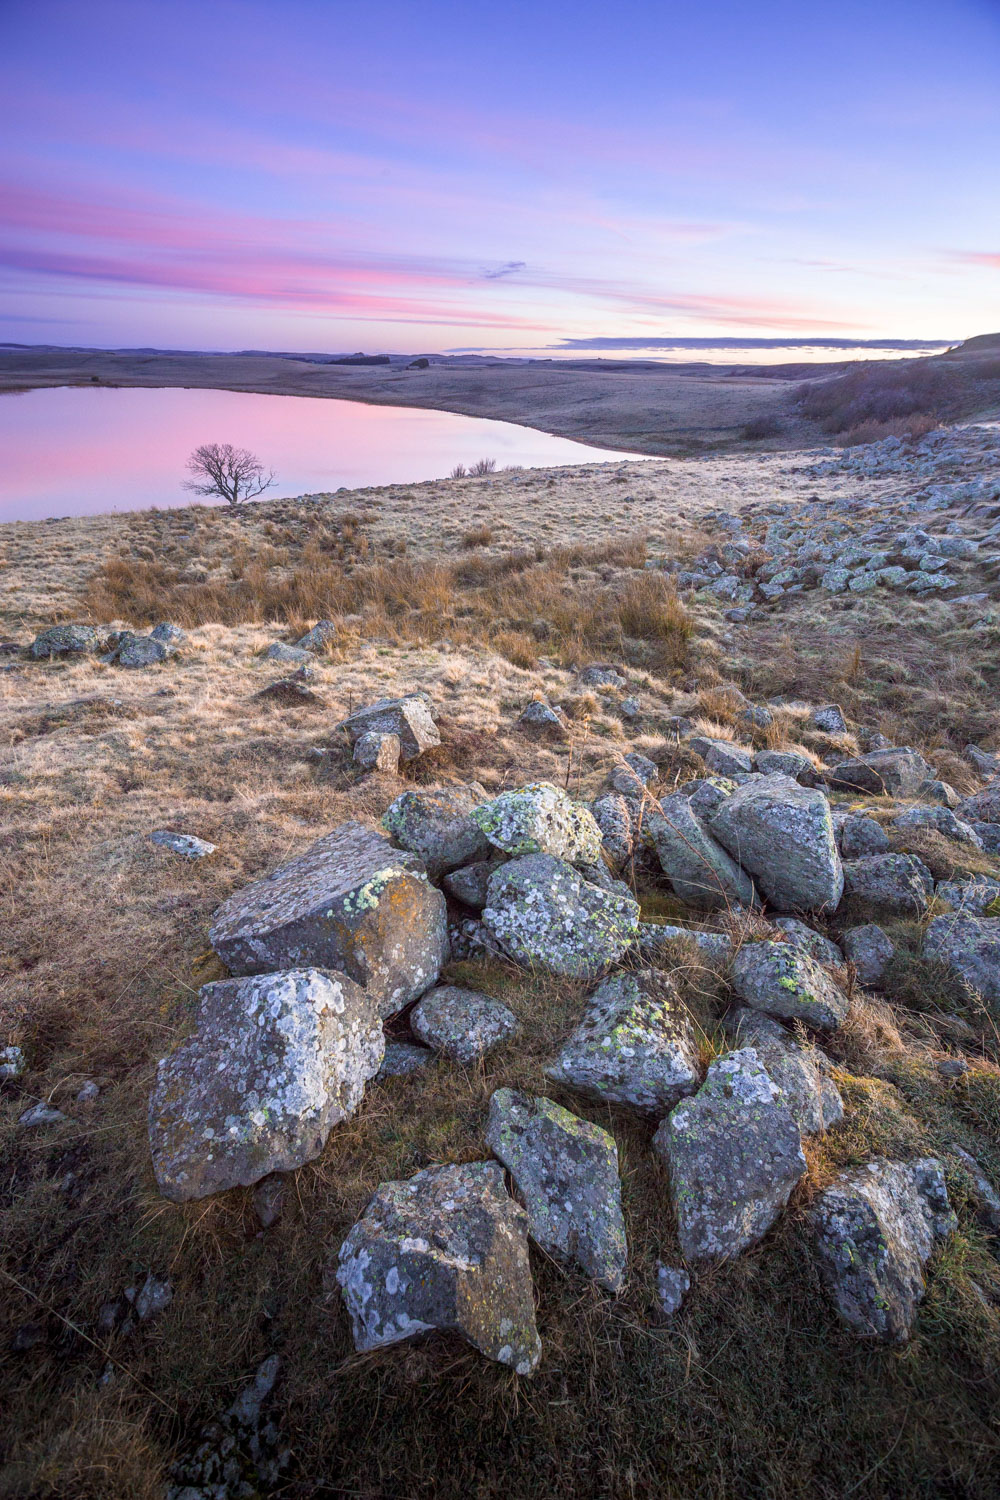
pixel 308 174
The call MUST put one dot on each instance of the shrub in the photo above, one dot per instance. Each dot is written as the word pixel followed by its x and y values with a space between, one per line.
pixel 760 428
pixel 478 536
pixel 482 466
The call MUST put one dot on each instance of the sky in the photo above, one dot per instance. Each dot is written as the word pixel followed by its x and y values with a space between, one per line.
pixel 419 177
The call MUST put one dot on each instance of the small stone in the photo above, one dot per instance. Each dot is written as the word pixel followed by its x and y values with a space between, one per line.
pixel 12 1063
pixel 470 883
pixel 40 1114
pixel 88 1093
pixel 462 1024
pixel 268 1199
pixel 734 1152
pixel 565 1171
pixel 541 721
pixel 154 1296
pixel 184 844
pixel 830 719
pixel 403 1058
pixel 672 1285
pixel 447 1249
pixel 377 752
pixel 952 1067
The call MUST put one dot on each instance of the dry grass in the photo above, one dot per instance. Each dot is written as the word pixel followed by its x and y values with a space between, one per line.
pixel 755 1389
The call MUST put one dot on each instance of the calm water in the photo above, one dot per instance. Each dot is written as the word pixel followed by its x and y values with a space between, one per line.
pixel 73 452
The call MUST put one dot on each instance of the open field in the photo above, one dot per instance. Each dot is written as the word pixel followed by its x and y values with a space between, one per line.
pixel 484 593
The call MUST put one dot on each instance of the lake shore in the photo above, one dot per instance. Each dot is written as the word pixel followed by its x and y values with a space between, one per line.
pixel 639 406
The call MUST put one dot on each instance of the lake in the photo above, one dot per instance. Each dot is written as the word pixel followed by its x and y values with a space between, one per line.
pixel 73 451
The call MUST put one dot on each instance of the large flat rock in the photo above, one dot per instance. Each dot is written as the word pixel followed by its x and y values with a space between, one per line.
pixel 351 902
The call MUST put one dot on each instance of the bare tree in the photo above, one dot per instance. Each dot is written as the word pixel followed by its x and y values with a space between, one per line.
pixel 234 474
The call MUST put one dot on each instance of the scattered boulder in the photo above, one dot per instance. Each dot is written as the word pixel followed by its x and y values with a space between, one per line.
pixel 600 675
pixel 979 897
pixel 782 834
pixel 875 1230
pixel 565 1172
pixel 447 1249
pixel 890 882
pixel 184 844
pixel 65 640
pixel 436 824
pixel 870 950
pixel 782 981
pixel 700 871
pixel 377 752
pixel 277 1061
pixel 892 772
pixel 351 902
pixel 40 1114
pixel 545 915
pixel 542 722
pixel 138 651
pixel 462 1024
pixel 941 793
pixel 800 1071
pixel 635 1045
pixel 540 819
pixel 657 942
pixel 410 718
pixel 672 1285
pixel 171 636
pixel 970 947
pixel 319 637
pixel 860 835
pixel 785 763
pixel 734 1154
pixel 985 762
pixel 292 655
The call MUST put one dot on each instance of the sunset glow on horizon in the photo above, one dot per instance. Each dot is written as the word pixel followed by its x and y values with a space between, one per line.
pixel 329 176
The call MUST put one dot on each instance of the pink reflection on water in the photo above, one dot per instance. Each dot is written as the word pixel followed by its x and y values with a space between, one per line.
pixel 76 451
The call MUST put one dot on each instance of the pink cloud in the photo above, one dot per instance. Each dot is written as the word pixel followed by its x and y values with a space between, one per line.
pixel 990 258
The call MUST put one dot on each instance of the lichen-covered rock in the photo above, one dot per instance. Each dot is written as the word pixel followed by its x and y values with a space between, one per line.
pixel 784 763
pixel 970 947
pixel 707 793
pixel 830 719
pixel 614 816
pixel 12 1063
pixel 374 751
pixel 403 1058
pixel 317 639
pixel 860 835
pixel 410 718
pixel 462 1024
pixel 471 883
pixel 565 1172
pixel 65 640
pixel 735 1153
pixel 891 882
pixel 722 756
pixel 783 981
pixel 875 1230
pixel 942 820
pixel 699 869
pixel 540 819
pixel 187 845
pixel 782 833
pixel 436 824
pixel 979 897
pixel 546 916
pixel 470 938
pixel 982 807
pixel 277 1061
pixel 894 772
pixel 292 655
pixel 447 1249
pixel 542 722
pixel 869 949
pixel 351 903
pixel 635 1045
pixel 169 635
pixel 800 1071
pixel 808 940
pixel 672 1285
pixel 658 943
